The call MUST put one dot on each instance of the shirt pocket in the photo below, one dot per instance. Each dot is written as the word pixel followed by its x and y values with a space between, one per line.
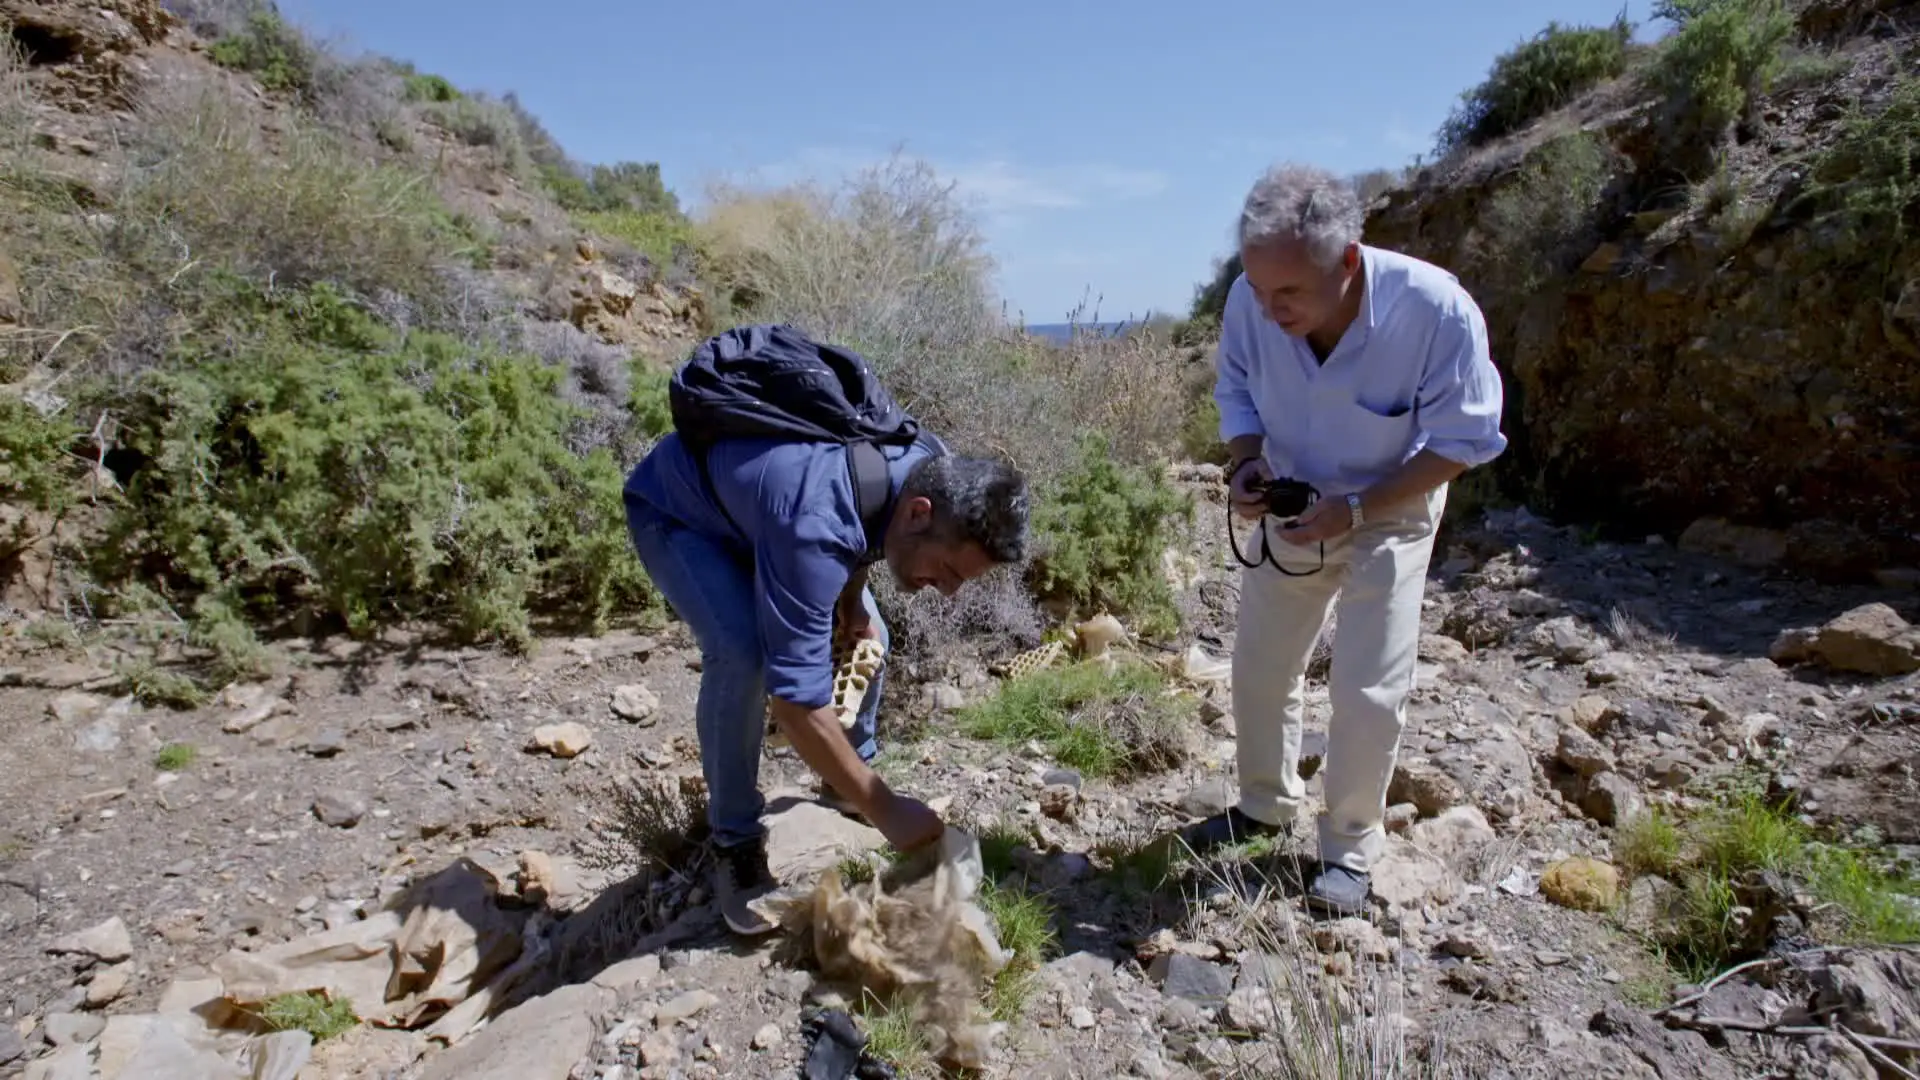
pixel 1372 438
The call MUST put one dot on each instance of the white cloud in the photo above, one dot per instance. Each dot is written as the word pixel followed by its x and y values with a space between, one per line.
pixel 1002 188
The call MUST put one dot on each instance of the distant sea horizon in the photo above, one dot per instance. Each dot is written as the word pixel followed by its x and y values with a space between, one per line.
pixel 1065 331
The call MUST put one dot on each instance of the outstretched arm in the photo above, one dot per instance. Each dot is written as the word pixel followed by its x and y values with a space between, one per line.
pixel 800 579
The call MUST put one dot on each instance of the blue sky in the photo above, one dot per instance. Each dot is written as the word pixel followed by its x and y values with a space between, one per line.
pixel 1106 146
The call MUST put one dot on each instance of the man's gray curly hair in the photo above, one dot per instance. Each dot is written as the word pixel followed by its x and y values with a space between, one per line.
pixel 1304 203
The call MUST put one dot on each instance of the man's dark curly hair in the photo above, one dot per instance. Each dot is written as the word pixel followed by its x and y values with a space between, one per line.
pixel 977 499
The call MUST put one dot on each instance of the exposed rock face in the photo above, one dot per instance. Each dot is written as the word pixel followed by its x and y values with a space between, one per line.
pixel 1752 356
pixel 613 308
pixel 86 49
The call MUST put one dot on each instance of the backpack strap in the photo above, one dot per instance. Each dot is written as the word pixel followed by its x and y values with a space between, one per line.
pixel 872 493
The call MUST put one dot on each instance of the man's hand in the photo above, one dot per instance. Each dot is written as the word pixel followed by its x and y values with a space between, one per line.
pixel 1249 498
pixel 817 737
pixel 1324 520
pixel 907 823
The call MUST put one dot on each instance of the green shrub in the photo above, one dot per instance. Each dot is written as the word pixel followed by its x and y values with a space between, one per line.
pixel 1120 723
pixel 310 457
pixel 430 88
pixel 1200 433
pixel 1724 55
pixel 272 50
pixel 1539 218
pixel 1534 78
pixel 665 238
pixel 33 456
pixel 1210 297
pixel 1865 186
pixel 627 185
pixel 1101 529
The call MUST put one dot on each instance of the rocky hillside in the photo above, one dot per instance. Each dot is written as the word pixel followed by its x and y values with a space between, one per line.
pixel 347 742
pixel 1699 263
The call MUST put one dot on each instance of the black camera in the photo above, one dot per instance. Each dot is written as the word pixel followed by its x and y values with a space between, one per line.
pixel 1286 498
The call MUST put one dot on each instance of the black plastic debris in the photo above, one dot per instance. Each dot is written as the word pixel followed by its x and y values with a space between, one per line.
pixel 839 1049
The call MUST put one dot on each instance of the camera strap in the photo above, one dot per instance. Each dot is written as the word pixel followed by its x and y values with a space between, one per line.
pixel 1266 550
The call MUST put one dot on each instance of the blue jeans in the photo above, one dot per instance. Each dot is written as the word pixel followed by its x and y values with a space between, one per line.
pixel 711 589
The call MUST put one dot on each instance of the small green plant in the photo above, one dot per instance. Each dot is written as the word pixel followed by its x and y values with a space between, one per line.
pixel 430 88
pixel 1143 862
pixel 314 1013
pixel 54 632
pixel 1121 723
pixel 1024 924
pixel 1534 78
pixel 273 50
pixel 1727 861
pixel 1724 56
pixel 156 686
pixel 998 842
pixel 1102 528
pixel 895 1037
pixel 174 757
pixel 1802 67
pixel 1650 843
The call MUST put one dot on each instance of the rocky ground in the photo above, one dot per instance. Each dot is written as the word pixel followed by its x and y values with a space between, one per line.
pixel 1566 685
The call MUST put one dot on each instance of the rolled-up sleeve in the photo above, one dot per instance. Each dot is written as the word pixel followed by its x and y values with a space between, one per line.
pixel 799 576
pixel 1461 395
pixel 1237 413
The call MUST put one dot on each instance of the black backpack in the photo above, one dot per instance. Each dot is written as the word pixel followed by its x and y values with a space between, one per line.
pixel 773 381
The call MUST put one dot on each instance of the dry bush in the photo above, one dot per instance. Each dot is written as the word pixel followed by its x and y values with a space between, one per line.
pixel 995 613
pixel 302 209
pixel 598 380
pixel 214 19
pixel 16 101
pixel 657 822
pixel 1318 1026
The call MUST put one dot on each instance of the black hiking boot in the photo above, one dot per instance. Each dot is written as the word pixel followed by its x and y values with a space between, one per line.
pixel 740 877
pixel 1221 830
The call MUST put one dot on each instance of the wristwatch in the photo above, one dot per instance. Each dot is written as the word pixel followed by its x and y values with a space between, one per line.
pixel 1353 506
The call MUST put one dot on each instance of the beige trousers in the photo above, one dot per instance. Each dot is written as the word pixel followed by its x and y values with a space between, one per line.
pixel 1378 575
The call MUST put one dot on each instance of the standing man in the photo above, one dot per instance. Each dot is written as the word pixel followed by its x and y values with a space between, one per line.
pixel 790 472
pixel 1364 373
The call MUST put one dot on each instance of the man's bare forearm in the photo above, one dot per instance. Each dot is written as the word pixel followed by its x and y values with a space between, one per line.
pixel 856 584
pixel 1422 473
pixel 820 741
pixel 1243 447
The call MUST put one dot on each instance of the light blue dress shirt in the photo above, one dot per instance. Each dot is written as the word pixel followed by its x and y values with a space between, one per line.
pixel 1413 372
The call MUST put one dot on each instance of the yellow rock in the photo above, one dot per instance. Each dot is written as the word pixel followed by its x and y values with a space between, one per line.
pixel 1581 883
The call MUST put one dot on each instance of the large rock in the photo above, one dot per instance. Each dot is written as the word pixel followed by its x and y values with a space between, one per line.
pixel 1686 372
pixel 85 49
pixel 1581 883
pixel 1426 786
pixel 804 837
pixel 108 942
pixel 1869 640
pixel 540 1040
